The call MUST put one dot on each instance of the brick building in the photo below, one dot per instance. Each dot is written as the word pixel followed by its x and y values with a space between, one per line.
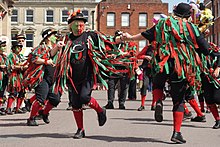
pixel 128 16
pixel 214 5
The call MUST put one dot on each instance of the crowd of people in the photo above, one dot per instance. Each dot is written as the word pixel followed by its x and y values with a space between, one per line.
pixel 177 54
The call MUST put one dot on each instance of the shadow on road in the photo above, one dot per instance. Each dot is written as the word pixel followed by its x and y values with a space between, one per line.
pixel 126 139
pixel 45 135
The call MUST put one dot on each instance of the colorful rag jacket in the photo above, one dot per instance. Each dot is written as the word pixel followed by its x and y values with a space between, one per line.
pixel 3 72
pixel 108 60
pixel 210 63
pixel 15 76
pixel 35 72
pixel 172 42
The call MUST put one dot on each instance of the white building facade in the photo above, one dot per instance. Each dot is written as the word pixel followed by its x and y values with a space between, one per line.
pixel 32 17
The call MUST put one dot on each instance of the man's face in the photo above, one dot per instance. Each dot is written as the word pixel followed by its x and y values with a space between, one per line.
pixel 21 41
pixel 77 27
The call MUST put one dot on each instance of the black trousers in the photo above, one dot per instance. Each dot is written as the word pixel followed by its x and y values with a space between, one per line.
pixel 178 88
pixel 123 88
pixel 44 92
pixel 211 93
pixel 146 81
pixel 4 84
pixel 82 95
pixel 132 88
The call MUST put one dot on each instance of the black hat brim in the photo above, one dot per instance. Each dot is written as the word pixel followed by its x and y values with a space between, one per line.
pixel 79 18
pixel 48 35
pixel 3 42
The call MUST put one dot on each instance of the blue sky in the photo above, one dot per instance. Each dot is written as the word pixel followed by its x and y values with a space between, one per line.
pixel 173 2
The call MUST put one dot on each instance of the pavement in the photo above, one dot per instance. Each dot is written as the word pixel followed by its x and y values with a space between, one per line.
pixel 124 128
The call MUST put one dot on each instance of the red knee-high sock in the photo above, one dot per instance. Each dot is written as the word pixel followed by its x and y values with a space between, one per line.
pixel 10 101
pixel 213 108
pixel 186 110
pixel 195 106
pixel 1 101
pixel 35 108
pixel 202 106
pixel 47 108
pixel 177 120
pixel 153 101
pixel 94 105
pixel 19 101
pixel 78 115
pixel 143 97
pixel 33 98
pixel 158 94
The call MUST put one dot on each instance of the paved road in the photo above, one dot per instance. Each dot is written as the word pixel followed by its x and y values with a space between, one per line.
pixel 126 128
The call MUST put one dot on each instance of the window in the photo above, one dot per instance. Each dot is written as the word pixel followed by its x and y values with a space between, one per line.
pixel 157 16
pixel 13 37
pixel 29 15
pixel 142 20
pixel 14 16
pixel 125 19
pixel 142 44
pixel 29 39
pixel 110 19
pixel 49 16
pixel 85 14
pixel 65 15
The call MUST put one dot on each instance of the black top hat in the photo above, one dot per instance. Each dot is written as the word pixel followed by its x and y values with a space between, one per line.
pixel 20 36
pixel 15 44
pixel 182 10
pixel 2 42
pixel 48 33
pixel 76 16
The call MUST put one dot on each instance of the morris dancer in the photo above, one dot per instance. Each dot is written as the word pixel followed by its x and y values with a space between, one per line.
pixel 3 74
pixel 79 66
pixel 40 76
pixel 175 41
pixel 15 88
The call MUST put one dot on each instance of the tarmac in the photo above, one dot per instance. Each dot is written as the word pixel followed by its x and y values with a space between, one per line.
pixel 124 128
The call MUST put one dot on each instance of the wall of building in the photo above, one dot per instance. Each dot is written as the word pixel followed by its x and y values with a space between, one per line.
pixel 39 8
pixel 134 8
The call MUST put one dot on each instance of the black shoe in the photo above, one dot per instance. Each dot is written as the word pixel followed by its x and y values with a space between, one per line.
pixel 102 118
pixel 152 108
pixel 28 105
pixel 187 115
pixel 79 134
pixel 9 112
pixel 69 108
pixel 217 124
pixel 141 108
pixel 207 111
pixel 31 122
pixel 199 119
pixel 2 112
pixel 44 116
pixel 14 109
pixel 19 111
pixel 38 117
pixel 177 138
pixel 158 115
pixel 203 110
pixel 109 106
pixel 121 106
pixel 24 109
